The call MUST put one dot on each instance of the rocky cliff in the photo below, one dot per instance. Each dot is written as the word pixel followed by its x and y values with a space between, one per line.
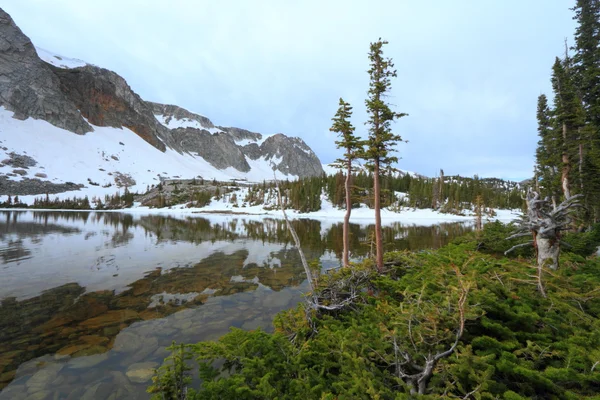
pixel 28 87
pixel 233 147
pixel 82 99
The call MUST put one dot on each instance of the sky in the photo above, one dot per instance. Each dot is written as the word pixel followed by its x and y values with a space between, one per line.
pixel 469 71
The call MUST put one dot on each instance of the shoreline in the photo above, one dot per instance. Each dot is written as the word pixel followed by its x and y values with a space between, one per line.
pixel 361 216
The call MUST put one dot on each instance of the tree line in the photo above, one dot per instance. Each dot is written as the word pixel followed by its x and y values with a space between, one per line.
pixel 568 151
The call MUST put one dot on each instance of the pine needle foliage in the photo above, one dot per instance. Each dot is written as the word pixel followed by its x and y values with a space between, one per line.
pixel 514 344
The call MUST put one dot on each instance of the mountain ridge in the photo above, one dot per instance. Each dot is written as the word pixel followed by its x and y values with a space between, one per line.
pixel 74 96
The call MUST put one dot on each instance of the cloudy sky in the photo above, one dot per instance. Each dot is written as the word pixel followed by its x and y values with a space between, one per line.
pixel 469 71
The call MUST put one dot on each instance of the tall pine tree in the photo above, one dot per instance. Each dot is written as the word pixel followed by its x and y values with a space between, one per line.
pixel 548 160
pixel 352 146
pixel 569 118
pixel 586 65
pixel 381 139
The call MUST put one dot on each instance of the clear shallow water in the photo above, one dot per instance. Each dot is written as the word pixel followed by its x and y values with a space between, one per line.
pixel 90 300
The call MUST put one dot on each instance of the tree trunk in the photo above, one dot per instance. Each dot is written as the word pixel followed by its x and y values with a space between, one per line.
pixel 566 165
pixel 346 229
pixel 581 165
pixel 548 250
pixel 378 234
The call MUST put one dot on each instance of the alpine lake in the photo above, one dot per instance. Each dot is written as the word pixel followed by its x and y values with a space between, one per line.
pixel 90 300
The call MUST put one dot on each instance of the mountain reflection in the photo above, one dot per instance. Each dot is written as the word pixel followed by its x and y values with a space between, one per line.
pixel 74 280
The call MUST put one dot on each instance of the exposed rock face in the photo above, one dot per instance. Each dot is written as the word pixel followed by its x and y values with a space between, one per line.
pixel 19 161
pixel 229 146
pixel 296 157
pixel 238 134
pixel 170 112
pixel 252 151
pixel 29 186
pixel 27 85
pixel 105 99
pixel 218 149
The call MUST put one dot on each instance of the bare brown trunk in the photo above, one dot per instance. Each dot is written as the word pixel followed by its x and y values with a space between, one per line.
pixel 378 234
pixel 346 229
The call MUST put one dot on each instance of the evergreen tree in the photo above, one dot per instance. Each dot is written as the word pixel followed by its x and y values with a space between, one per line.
pixel 381 139
pixel 548 160
pixel 586 61
pixel 586 65
pixel 352 150
pixel 569 119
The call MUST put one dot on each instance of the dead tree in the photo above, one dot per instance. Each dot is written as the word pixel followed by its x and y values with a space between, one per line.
pixel 478 213
pixel 337 296
pixel 416 363
pixel 545 225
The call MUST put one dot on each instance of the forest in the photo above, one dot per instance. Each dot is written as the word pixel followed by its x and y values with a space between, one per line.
pixel 506 312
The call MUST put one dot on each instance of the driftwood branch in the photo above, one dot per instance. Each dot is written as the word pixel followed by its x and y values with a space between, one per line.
pixel 309 277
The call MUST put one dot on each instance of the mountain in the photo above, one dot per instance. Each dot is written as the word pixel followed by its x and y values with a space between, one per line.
pixel 67 125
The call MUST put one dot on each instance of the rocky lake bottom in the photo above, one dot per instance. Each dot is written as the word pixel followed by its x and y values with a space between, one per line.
pixel 91 300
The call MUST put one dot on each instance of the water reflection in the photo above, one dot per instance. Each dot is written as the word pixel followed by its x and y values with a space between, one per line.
pixel 84 295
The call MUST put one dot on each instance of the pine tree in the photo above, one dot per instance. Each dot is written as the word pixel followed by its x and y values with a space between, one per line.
pixel 569 117
pixel 352 146
pixel 381 139
pixel 586 66
pixel 548 160
pixel 586 61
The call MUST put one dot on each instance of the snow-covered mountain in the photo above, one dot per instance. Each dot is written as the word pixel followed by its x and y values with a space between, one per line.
pixel 68 126
pixel 332 169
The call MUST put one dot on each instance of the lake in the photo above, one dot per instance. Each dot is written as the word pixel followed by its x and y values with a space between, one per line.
pixel 90 300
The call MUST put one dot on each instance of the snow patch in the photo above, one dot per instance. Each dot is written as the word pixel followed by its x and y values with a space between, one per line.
pixel 58 60
pixel 173 123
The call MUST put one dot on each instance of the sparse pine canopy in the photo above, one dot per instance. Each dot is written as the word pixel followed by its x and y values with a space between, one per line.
pixel 381 139
pixel 348 141
pixel 353 149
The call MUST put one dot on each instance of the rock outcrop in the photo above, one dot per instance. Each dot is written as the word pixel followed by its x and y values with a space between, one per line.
pixel 292 154
pixel 218 149
pixel 226 147
pixel 28 87
pixel 105 99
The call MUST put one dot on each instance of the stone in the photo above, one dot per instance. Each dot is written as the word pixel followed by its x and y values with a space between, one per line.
pixel 40 175
pixel 7 376
pixel 127 342
pixel 100 390
pixel 42 378
pixel 141 372
pixel 21 172
pixel 109 318
pixel 89 351
pixel 70 349
pixel 148 347
pixel 94 339
pixel 87 361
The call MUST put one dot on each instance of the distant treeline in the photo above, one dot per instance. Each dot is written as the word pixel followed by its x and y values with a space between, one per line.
pixel 449 194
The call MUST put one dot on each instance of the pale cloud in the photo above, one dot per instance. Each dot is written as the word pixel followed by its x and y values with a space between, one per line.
pixel 469 72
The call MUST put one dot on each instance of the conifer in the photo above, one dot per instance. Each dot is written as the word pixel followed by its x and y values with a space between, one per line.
pixel 352 146
pixel 381 141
